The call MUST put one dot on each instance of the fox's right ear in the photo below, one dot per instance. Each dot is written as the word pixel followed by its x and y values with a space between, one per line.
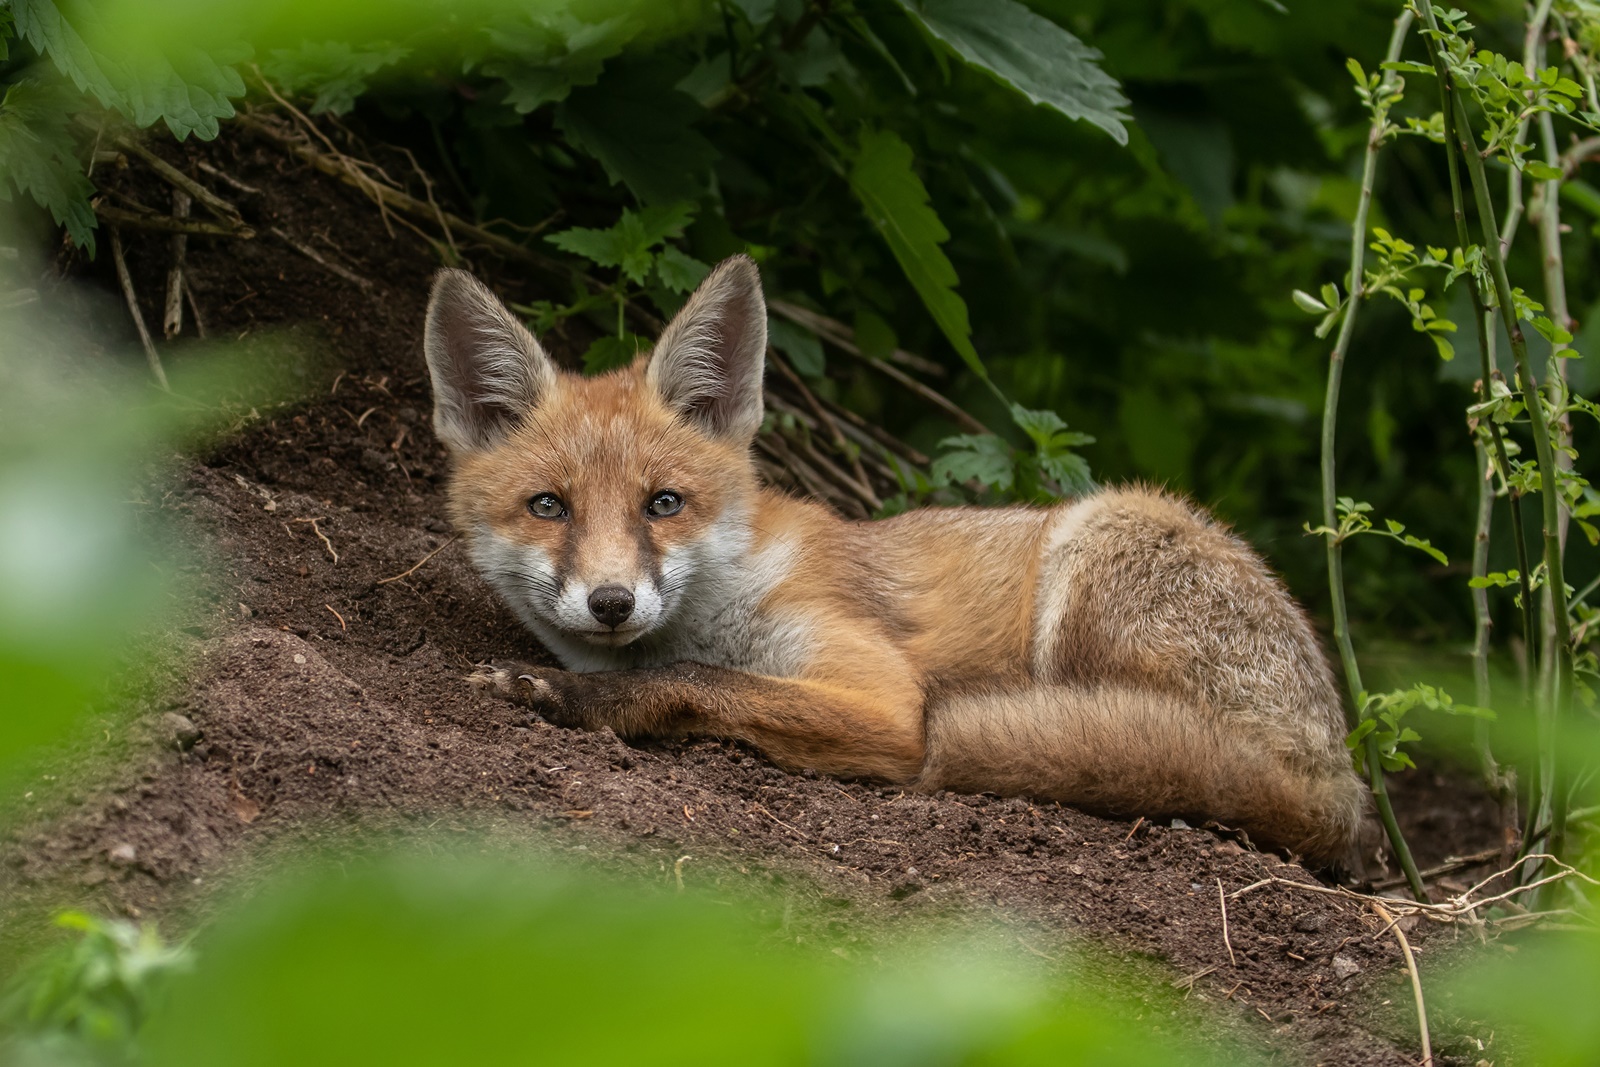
pixel 487 369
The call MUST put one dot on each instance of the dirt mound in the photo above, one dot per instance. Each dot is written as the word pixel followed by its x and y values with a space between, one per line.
pixel 341 619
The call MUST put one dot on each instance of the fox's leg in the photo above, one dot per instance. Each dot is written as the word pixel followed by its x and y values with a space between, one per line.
pixel 797 723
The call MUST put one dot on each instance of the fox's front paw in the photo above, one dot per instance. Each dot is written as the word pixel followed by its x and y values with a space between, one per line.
pixel 544 691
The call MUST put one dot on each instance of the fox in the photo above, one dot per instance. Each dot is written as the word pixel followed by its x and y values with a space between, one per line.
pixel 1122 652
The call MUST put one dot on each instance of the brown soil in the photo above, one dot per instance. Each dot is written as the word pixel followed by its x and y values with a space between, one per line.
pixel 332 692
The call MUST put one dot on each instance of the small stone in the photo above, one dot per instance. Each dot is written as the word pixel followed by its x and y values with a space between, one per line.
pixel 123 853
pixel 179 730
pixel 299 658
pixel 373 460
pixel 1310 923
pixel 1344 967
pixel 1179 824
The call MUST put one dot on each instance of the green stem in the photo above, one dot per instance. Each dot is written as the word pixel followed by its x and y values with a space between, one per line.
pixel 1487 370
pixel 1330 519
pixel 1528 384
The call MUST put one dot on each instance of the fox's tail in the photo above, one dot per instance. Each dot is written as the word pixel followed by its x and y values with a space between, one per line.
pixel 1128 752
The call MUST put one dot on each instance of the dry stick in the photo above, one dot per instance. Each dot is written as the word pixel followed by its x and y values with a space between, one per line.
pixel 315 257
pixel 775 360
pixel 418 565
pixel 1330 418
pixel 194 309
pixel 845 337
pixel 444 224
pixel 150 352
pixel 1222 899
pixel 1449 866
pixel 133 220
pixel 1416 981
pixel 172 320
pixel 228 179
pixel 213 203
pixel 779 403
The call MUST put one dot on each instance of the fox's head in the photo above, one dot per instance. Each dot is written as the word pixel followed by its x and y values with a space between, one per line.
pixel 599 506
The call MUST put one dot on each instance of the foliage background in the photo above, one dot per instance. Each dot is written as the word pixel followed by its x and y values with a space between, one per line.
pixel 1140 291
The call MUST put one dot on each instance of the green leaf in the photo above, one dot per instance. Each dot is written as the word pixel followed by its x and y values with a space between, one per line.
pixel 333 70
pixel 1543 172
pixel 39 159
pixel 547 52
pixel 1550 331
pixel 982 458
pixel 611 352
pixel 680 271
pixel 1308 303
pixel 803 347
pixel 896 203
pixel 628 244
pixel 1029 53
pixel 641 129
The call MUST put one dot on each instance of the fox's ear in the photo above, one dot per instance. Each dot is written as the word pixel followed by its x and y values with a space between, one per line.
pixel 709 361
pixel 486 367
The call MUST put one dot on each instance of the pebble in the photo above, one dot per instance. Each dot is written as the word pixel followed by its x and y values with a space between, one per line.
pixel 1344 967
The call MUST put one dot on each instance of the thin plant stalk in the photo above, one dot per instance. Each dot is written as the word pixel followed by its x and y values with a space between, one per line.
pixel 1501 782
pixel 1330 418
pixel 1528 383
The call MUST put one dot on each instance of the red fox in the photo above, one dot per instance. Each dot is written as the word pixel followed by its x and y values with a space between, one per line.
pixel 1121 652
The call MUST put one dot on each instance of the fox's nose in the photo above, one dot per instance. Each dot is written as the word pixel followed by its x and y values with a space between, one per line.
pixel 611 604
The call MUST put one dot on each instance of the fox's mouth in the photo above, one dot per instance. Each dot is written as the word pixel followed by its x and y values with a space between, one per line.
pixel 611 638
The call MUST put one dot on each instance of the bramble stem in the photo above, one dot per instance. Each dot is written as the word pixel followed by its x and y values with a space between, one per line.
pixel 1330 418
pixel 1528 385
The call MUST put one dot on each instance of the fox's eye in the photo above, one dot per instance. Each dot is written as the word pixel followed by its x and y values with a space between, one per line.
pixel 663 504
pixel 547 506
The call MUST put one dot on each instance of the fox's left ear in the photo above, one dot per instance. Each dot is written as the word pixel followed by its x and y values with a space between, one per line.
pixel 710 359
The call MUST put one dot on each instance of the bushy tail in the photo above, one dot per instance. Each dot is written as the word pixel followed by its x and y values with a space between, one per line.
pixel 1126 752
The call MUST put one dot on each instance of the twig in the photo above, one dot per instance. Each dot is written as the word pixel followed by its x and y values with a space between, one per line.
pixel 845 337
pixel 799 833
pixel 194 309
pixel 316 257
pixel 168 224
pixel 811 320
pixel 227 179
pixel 418 565
pixel 126 279
pixel 1222 899
pixel 172 320
pixel 1136 824
pixel 438 214
pixel 775 360
pixel 1188 980
pixel 336 615
pixel 318 531
pixel 209 200
pixel 1449 866
pixel 1416 981
pixel 677 870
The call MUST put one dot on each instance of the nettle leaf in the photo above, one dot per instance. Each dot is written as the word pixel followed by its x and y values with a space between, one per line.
pixel 641 130
pixel 680 271
pixel 611 352
pixel 1029 53
pixel 628 244
pixel 38 157
pixel 982 458
pixel 188 89
pixel 333 71
pixel 39 23
pixel 800 345
pixel 897 204
pixel 544 58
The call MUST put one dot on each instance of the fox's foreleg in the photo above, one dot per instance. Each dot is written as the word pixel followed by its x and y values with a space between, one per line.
pixel 797 723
